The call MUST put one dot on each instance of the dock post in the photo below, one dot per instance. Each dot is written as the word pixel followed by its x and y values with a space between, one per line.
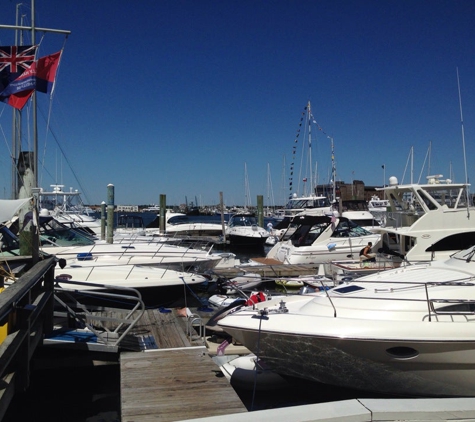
pixel 103 220
pixel 260 210
pixel 163 211
pixel 110 213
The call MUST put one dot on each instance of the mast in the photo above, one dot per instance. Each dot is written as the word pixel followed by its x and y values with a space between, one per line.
pixel 309 113
pixel 247 191
pixel 17 120
pixel 463 145
pixel 333 171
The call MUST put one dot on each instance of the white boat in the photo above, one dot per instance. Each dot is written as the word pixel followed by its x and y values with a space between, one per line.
pixel 358 212
pixel 249 373
pixel 317 239
pixel 243 230
pixel 304 195
pixel 427 221
pixel 222 301
pixel 63 242
pixel 136 276
pixel 315 281
pixel 363 218
pixel 297 204
pixel 245 281
pixel 68 208
pixel 408 331
pixel 378 207
pixel 179 224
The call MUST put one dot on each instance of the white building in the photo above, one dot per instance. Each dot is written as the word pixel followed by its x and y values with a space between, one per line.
pixel 127 208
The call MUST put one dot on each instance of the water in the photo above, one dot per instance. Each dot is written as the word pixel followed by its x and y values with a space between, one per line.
pixel 70 393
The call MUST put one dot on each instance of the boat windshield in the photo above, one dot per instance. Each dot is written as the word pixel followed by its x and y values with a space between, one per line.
pixel 348 228
pixel 178 219
pixel 306 234
pixel 53 233
pixel 243 220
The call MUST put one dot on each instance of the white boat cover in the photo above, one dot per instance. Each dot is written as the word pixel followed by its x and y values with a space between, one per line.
pixel 9 207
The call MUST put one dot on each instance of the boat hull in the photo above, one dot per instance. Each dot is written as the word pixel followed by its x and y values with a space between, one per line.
pixel 243 240
pixel 367 364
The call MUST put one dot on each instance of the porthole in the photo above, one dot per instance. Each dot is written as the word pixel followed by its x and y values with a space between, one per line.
pixel 402 352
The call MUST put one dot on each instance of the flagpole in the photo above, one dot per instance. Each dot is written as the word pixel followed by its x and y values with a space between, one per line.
pixel 17 120
pixel 34 114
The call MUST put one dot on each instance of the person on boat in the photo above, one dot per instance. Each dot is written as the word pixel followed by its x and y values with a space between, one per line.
pixel 270 227
pixel 366 255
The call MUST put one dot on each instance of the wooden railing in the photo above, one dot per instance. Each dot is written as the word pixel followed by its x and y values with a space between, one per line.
pixel 26 308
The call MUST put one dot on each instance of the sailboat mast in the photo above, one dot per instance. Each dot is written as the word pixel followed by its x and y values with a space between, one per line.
pixel 309 111
pixel 463 144
pixel 16 150
pixel 333 171
pixel 16 120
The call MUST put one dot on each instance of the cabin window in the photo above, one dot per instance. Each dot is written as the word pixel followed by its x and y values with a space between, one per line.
pixel 305 235
pixel 454 242
pixel 427 201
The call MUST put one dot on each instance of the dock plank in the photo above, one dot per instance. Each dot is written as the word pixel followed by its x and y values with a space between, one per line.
pixel 174 384
pixel 268 268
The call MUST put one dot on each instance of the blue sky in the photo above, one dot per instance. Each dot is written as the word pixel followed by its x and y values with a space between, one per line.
pixel 177 97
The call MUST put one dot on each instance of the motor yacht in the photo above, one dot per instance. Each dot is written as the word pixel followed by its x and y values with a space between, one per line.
pixel 313 238
pixel 427 221
pixel 409 331
pixel 243 230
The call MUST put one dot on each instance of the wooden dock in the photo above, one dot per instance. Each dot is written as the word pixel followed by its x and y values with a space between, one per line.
pixel 270 268
pixel 178 380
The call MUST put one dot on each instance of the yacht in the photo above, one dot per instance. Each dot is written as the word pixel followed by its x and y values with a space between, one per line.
pixel 313 238
pixel 377 205
pixel 406 332
pixel 243 230
pixel 298 204
pixel 427 221
pixel 179 224
pixel 68 208
pixel 64 242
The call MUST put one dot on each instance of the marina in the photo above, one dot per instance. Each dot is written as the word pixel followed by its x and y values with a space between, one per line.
pixel 339 301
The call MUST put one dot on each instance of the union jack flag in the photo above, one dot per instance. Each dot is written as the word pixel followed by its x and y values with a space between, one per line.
pixel 15 59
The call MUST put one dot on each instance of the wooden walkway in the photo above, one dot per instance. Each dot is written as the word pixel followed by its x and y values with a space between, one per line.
pixel 269 268
pixel 176 381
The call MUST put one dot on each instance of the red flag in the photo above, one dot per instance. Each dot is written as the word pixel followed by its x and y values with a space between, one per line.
pixel 42 72
pixel 46 72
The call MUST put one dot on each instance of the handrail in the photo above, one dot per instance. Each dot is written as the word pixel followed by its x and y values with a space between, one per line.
pixel 15 292
pixel 466 282
pixel 129 319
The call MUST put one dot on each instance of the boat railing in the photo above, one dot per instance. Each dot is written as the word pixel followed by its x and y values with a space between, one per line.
pixel 195 326
pixel 160 251
pixel 460 306
pixel 110 330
